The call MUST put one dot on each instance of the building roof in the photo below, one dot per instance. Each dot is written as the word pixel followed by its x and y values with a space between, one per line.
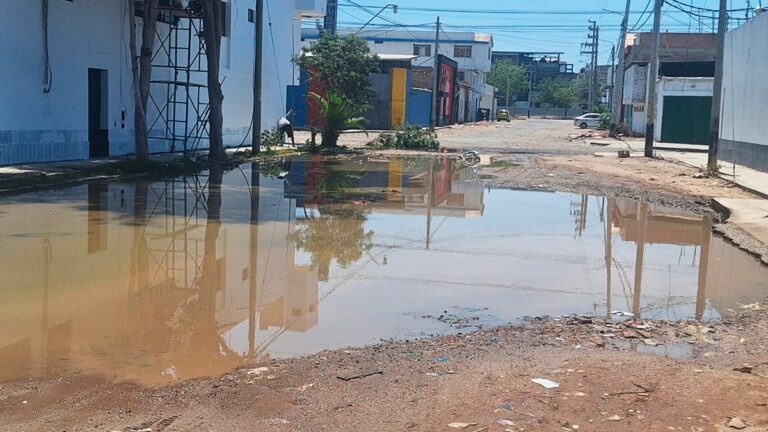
pixel 387 35
pixel 397 57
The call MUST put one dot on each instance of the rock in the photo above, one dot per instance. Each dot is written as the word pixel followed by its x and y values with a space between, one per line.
pixel 614 418
pixel 631 334
pixel 651 342
pixel 597 340
pixel 736 423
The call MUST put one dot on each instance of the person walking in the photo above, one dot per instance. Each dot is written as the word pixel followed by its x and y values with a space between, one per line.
pixel 284 127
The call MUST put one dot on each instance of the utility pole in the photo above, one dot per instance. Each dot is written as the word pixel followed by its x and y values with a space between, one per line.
pixel 597 97
pixel 650 109
pixel 717 97
pixel 258 35
pixel 591 48
pixel 618 81
pixel 433 121
pixel 612 89
pixel 331 16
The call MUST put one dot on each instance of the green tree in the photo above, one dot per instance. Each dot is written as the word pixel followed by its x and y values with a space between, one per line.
pixel 510 79
pixel 343 65
pixel 557 93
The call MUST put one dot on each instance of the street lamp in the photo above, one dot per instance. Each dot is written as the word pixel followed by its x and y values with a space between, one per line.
pixel 390 5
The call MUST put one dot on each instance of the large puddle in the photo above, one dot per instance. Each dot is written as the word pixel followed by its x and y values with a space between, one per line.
pixel 166 280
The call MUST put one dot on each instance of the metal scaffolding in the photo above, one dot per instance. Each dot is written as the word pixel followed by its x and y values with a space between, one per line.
pixel 180 68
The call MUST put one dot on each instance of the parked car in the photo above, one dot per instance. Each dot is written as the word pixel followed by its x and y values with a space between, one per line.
pixel 591 120
pixel 503 114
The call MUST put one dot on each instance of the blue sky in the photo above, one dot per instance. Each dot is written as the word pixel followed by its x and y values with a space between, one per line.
pixel 542 25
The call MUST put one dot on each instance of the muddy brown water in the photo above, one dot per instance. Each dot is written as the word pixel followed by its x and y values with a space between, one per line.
pixel 158 281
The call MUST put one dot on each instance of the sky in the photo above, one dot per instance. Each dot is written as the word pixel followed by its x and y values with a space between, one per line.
pixel 541 25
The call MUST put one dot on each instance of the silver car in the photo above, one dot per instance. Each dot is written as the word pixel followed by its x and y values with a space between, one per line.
pixel 591 120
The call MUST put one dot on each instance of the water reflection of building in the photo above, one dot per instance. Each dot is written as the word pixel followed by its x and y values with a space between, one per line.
pixel 417 186
pixel 727 277
pixel 136 284
pixel 187 277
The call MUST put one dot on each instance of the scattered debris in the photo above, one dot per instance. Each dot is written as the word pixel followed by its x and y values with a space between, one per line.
pixel 597 340
pixel 752 307
pixel 505 422
pixel 631 334
pixel 623 154
pixel 623 314
pixel 362 373
pixel 615 418
pixel 651 342
pixel 275 421
pixel 545 383
pixel 760 370
pixel 306 387
pixel 461 425
pixel 258 371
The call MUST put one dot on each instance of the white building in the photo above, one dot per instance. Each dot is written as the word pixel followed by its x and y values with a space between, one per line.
pixel 471 50
pixel 744 130
pixel 72 97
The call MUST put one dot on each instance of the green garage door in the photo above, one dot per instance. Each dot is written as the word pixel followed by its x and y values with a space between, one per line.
pixel 686 119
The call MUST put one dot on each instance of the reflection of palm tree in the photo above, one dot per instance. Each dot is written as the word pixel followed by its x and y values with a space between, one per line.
pixel 339 233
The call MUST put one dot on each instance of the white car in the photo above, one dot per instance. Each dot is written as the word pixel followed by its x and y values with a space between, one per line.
pixel 591 120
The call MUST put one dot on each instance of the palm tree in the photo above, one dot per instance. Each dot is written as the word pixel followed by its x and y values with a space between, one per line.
pixel 337 114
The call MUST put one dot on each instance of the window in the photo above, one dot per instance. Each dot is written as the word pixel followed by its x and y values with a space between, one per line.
pixel 251 15
pixel 422 50
pixel 462 51
pixel 462 76
pixel 225 18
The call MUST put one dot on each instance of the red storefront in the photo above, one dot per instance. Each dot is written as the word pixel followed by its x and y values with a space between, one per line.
pixel 447 91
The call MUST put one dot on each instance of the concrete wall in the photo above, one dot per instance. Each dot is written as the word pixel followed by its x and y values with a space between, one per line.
pixel 37 126
pixel 744 129
pixel 671 87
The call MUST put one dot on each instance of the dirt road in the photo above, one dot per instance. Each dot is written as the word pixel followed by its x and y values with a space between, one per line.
pixel 607 381
pixel 612 375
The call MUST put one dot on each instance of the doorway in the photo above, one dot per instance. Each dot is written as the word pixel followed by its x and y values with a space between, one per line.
pixel 98 128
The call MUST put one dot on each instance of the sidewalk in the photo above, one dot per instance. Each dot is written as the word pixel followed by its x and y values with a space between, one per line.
pixel 751 215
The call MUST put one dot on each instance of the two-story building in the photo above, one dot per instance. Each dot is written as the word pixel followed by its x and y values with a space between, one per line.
pixel 681 55
pixel 471 50
pixel 67 87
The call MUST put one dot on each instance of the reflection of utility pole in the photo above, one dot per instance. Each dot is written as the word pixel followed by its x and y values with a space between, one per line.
pixel 701 293
pixel 253 248
pixel 608 255
pixel 642 219
pixel 430 173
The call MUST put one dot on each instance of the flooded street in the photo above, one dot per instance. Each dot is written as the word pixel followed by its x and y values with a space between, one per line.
pixel 160 281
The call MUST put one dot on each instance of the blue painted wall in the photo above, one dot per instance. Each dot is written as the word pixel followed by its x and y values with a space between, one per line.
pixel 417 109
